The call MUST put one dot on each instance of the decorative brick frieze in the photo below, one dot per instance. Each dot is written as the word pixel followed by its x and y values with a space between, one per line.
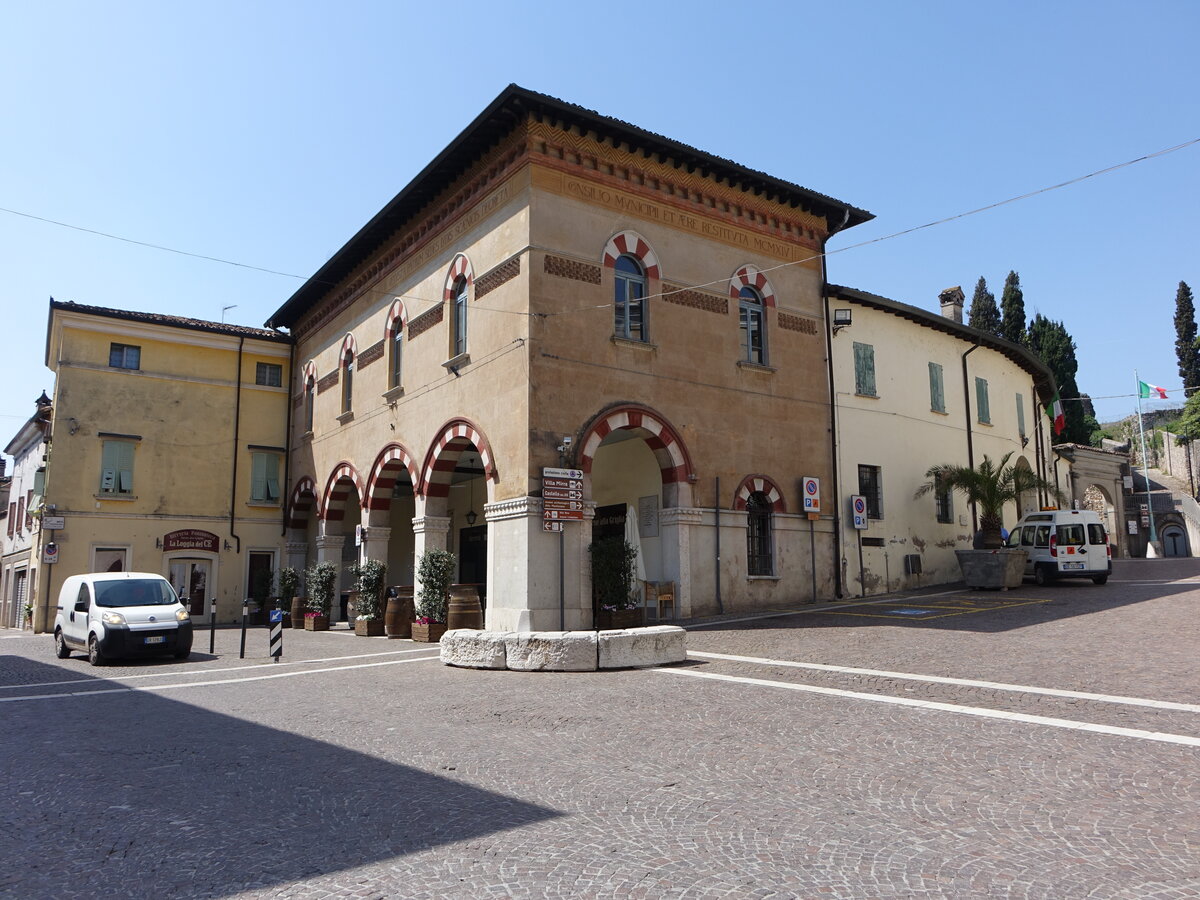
pixel 328 381
pixel 506 271
pixel 569 268
pixel 425 321
pixel 798 323
pixel 368 356
pixel 695 299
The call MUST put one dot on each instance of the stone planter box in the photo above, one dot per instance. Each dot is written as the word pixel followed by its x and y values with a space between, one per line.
pixel 369 627
pixel 992 569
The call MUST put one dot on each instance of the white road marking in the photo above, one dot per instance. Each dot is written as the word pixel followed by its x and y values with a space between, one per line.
pixel 220 681
pixel 826 606
pixel 964 682
pixel 178 674
pixel 1162 737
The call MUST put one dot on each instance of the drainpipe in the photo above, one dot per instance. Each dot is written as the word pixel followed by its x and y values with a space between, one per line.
pixel 970 434
pixel 717 530
pixel 237 422
pixel 833 443
pixel 287 447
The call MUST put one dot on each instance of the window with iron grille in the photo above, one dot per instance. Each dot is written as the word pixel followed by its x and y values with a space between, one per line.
pixel 943 498
pixel 870 485
pixel 759 545
pixel 269 374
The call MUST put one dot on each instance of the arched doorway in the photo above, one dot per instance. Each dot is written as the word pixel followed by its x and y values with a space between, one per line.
pixel 1096 498
pixel 1174 541
pixel 391 508
pixel 341 516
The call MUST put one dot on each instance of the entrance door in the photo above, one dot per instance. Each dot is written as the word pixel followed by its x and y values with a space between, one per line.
pixel 1174 541
pixel 189 577
pixel 472 557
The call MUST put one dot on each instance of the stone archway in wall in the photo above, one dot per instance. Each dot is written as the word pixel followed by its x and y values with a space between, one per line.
pixel 391 506
pixel 1098 473
pixel 1097 499
pixel 639 475
pixel 302 528
pixel 1174 539
pixel 341 514
pixel 1028 501
pixel 458 480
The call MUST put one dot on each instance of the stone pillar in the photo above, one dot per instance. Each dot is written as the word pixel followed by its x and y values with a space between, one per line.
pixel 675 530
pixel 296 555
pixel 375 544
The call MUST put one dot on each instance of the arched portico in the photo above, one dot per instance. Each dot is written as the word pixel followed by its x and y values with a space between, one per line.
pixel 390 506
pixel 340 515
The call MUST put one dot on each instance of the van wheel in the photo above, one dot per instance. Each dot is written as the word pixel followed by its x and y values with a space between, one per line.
pixel 1042 575
pixel 183 654
pixel 1099 579
pixel 95 657
pixel 61 650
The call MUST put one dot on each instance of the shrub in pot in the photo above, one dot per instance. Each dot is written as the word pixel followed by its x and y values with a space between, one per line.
pixel 370 578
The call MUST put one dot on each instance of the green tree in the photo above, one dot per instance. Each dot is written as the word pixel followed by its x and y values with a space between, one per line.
pixel 1053 344
pixel 1012 310
pixel 1185 339
pixel 1188 424
pixel 984 313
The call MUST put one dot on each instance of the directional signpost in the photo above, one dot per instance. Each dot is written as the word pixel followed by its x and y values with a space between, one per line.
pixel 562 500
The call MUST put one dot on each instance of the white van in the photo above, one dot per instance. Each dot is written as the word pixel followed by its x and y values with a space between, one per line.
pixel 114 614
pixel 1063 543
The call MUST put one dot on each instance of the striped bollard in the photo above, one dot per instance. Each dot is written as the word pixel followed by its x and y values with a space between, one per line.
pixel 276 634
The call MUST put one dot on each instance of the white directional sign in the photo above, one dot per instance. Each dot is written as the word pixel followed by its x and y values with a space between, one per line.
pixel 574 474
pixel 552 526
pixel 811 491
pixel 858 509
pixel 562 495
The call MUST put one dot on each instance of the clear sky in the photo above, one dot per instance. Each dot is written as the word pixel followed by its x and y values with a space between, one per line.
pixel 267 133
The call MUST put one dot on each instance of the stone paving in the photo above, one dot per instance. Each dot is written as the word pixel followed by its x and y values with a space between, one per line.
pixel 390 775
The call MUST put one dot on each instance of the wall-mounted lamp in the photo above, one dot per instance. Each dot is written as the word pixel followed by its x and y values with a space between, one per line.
pixel 228 546
pixel 842 318
pixel 471 517
pixel 158 543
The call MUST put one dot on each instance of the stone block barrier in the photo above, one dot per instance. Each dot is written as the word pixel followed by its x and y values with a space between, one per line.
pixel 564 651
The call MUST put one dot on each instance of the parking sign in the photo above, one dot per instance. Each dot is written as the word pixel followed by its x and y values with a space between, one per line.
pixel 858 509
pixel 811 491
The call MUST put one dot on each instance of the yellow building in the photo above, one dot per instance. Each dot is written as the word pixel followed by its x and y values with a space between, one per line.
pixel 167 453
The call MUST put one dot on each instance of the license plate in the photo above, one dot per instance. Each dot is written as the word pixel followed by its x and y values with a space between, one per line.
pixel 156 640
pixel 1072 565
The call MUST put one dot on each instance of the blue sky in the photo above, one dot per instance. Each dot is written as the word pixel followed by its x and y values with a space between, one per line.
pixel 267 133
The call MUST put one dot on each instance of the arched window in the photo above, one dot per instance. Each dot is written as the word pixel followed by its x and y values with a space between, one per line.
pixel 753 326
pixel 458 318
pixel 395 355
pixel 759 544
pixel 310 396
pixel 347 378
pixel 629 302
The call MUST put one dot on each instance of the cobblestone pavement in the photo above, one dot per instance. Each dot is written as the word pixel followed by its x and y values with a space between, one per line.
pixel 361 767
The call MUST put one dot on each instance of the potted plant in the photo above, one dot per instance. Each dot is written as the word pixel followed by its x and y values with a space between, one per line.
pixel 371 577
pixel 435 572
pixel 614 570
pixel 322 582
pixel 289 583
pixel 990 486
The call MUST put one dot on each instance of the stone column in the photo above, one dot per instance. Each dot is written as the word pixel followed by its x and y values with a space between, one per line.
pixel 375 544
pixel 296 555
pixel 675 530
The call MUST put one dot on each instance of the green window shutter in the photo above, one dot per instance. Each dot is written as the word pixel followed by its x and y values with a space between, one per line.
pixel 258 476
pixel 272 477
pixel 981 400
pixel 116 468
pixel 937 396
pixel 1020 415
pixel 864 369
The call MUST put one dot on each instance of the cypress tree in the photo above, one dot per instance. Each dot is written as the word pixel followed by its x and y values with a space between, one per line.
pixel 1054 345
pixel 984 314
pixel 1012 309
pixel 1185 339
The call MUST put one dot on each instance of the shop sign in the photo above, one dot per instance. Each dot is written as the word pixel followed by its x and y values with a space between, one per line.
pixel 191 539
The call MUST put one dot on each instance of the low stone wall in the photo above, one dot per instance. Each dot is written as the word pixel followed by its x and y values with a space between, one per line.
pixel 564 651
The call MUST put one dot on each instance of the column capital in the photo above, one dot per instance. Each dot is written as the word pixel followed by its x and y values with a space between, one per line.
pixel 431 525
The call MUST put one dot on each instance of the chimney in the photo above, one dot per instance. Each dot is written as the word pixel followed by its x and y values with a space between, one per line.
pixel 952 303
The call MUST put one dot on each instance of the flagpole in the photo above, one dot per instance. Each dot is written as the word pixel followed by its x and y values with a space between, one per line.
pixel 1145 468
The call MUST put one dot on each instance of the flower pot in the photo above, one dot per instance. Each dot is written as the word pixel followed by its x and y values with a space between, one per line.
pixel 368 627
pixel 316 623
pixel 607 619
pixel 994 569
pixel 428 634
pixel 299 605
pixel 398 617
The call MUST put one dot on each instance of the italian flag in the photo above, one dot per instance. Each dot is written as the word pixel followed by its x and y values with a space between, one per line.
pixel 1146 391
pixel 1055 413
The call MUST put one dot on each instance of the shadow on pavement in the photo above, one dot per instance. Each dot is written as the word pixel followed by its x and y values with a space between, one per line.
pixel 132 794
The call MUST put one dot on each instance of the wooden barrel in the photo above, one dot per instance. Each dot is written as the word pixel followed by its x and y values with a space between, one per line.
pixel 398 615
pixel 299 608
pixel 464 610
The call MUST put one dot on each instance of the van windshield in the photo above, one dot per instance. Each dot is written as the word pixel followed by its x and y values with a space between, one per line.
pixel 134 592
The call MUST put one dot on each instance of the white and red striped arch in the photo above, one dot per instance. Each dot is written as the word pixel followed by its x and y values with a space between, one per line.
pixel 460 268
pixel 456 436
pixel 349 349
pixel 344 481
pixel 630 243
pixel 759 484
pixel 310 372
pixel 304 498
pixel 750 276
pixel 663 440
pixel 397 319
pixel 393 460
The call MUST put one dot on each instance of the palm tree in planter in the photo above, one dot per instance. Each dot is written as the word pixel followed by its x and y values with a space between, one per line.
pixel 435 571
pixel 990 486
pixel 370 579
pixel 322 582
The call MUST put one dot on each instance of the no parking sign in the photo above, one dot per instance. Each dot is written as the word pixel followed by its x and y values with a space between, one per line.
pixel 811 491
pixel 858 509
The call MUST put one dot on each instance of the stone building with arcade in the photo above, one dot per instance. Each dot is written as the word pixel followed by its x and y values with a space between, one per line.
pixel 562 289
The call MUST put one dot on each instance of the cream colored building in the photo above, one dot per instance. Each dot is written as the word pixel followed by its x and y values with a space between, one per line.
pixel 561 289
pixel 18 562
pixel 167 453
pixel 913 389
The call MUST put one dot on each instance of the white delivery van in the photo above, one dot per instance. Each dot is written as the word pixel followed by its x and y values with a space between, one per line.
pixel 1063 543
pixel 115 614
